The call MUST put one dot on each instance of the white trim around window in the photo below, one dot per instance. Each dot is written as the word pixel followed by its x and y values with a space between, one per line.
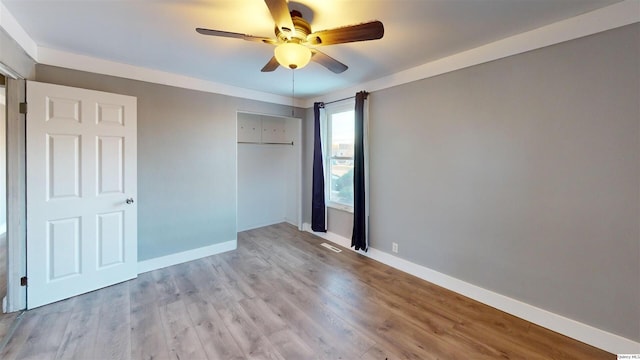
pixel 330 109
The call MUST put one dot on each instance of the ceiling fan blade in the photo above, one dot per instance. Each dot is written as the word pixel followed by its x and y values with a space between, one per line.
pixel 281 16
pixel 328 62
pixel 234 35
pixel 271 65
pixel 368 31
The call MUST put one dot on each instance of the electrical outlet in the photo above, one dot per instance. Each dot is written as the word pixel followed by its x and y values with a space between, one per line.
pixel 394 247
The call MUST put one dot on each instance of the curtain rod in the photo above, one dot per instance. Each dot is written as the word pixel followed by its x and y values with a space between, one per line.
pixel 335 101
pixel 350 97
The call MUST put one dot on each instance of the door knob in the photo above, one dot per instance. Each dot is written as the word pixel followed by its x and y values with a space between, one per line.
pixel 129 201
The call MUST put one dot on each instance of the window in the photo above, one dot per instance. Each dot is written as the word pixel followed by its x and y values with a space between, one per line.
pixel 340 139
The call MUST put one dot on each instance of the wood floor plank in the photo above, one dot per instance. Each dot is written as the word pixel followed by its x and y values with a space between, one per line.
pixel 165 286
pixel 290 345
pixel 408 294
pixel 6 322
pixel 308 299
pixel 183 279
pixel 266 311
pixel 281 295
pixel 180 334
pixel 82 330
pixel 147 333
pixel 114 329
pixel 341 289
pixel 271 322
pixel 377 352
pixel 324 345
pixel 45 338
pixel 266 318
pixel 148 341
pixel 336 291
pixel 80 336
pixel 234 284
pixel 19 338
pixel 213 334
pixel 253 343
pixel 143 290
pixel 210 281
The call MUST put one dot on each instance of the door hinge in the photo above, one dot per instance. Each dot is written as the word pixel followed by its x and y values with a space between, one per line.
pixel 23 108
pixel 23 281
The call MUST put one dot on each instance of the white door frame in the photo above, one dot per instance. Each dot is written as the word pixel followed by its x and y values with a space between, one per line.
pixel 16 191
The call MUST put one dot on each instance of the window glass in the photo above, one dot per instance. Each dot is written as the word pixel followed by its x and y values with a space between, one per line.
pixel 341 139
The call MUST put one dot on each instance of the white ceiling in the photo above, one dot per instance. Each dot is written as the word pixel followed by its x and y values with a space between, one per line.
pixel 160 35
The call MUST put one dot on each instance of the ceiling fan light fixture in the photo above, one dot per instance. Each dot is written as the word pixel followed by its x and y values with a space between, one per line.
pixel 292 55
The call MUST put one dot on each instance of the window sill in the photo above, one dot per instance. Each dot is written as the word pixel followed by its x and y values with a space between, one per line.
pixel 345 208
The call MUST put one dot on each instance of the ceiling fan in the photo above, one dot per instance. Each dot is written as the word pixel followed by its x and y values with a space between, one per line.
pixel 295 42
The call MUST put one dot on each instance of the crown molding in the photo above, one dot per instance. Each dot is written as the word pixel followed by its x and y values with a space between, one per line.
pixel 15 31
pixel 53 57
pixel 613 16
pixel 617 15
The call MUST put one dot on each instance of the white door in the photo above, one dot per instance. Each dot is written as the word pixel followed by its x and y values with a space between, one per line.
pixel 81 190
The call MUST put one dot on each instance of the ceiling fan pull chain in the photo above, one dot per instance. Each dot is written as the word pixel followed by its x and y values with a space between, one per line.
pixel 293 90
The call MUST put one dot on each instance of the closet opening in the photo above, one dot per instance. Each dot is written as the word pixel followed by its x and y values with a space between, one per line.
pixel 269 170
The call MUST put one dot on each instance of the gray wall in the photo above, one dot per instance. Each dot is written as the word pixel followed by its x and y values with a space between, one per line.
pixel 340 222
pixel 186 159
pixel 521 176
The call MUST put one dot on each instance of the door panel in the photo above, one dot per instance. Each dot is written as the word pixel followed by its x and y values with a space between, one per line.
pixel 81 169
pixel 62 111
pixel 63 248
pixel 110 239
pixel 110 165
pixel 110 115
pixel 62 156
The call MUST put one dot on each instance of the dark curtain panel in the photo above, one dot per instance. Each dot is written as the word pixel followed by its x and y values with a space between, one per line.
pixel 359 236
pixel 318 221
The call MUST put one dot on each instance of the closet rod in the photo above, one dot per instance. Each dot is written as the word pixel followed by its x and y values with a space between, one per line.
pixel 266 143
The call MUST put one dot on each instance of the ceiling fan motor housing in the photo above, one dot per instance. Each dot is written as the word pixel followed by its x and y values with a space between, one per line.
pixel 302 29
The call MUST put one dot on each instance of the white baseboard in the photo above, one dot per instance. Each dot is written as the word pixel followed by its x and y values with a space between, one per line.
pixel 256 226
pixel 612 343
pixel 189 255
pixel 260 224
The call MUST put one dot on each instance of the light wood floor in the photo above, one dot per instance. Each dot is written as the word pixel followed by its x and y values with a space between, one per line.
pixel 281 296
